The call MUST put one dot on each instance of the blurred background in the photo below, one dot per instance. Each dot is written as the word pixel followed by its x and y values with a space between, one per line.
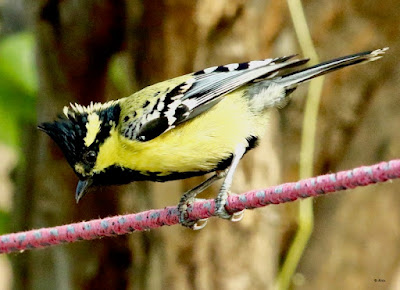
pixel 59 51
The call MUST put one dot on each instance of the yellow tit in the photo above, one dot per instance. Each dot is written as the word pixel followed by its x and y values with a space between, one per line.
pixel 188 126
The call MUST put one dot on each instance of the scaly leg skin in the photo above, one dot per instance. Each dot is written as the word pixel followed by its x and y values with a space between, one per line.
pixel 223 194
pixel 188 198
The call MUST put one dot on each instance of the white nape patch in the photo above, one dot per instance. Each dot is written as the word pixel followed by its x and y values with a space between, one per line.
pixel 210 69
pixel 92 127
pixel 259 63
pixel 232 66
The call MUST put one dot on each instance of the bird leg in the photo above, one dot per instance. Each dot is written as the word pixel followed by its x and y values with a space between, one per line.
pixel 223 194
pixel 189 198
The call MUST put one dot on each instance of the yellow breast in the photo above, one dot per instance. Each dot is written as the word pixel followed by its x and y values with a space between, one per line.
pixel 196 145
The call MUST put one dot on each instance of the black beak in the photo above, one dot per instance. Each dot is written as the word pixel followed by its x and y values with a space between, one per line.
pixel 82 188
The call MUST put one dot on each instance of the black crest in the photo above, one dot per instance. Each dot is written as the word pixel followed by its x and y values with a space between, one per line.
pixel 69 134
pixel 69 131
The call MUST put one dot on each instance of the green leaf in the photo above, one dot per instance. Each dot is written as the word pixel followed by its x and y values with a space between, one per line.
pixel 9 131
pixel 18 85
pixel 15 101
pixel 17 62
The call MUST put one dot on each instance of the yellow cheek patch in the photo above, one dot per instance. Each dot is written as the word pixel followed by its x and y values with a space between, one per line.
pixel 92 127
pixel 109 152
pixel 79 168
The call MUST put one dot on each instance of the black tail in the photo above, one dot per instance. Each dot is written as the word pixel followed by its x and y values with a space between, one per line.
pixel 291 80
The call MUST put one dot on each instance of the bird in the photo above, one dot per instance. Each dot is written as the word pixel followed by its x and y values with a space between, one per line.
pixel 198 123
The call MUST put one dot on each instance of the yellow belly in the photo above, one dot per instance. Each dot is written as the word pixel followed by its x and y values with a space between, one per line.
pixel 196 145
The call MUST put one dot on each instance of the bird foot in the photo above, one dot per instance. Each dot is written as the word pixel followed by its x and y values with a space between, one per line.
pixel 183 215
pixel 221 212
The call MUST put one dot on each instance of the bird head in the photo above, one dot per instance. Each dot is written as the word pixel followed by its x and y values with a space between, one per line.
pixel 80 134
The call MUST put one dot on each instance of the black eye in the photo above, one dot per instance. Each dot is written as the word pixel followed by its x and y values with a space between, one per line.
pixel 89 157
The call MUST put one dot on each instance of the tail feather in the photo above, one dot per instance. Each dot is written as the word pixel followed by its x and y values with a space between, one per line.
pixel 291 80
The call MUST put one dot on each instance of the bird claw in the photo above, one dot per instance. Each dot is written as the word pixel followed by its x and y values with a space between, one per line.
pixel 224 214
pixel 199 224
pixel 237 216
pixel 183 215
pixel 221 212
pixel 220 201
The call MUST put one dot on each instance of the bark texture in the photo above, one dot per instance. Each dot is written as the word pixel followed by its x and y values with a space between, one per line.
pixel 356 236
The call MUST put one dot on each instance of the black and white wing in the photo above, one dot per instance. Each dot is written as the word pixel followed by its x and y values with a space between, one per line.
pixel 198 93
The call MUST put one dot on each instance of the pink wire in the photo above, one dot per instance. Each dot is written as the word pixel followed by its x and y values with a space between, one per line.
pixel 151 219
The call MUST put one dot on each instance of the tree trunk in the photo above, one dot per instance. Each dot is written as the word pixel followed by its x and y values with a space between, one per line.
pixel 75 41
pixel 156 40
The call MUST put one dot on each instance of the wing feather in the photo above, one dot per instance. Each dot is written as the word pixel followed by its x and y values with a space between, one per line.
pixel 199 93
